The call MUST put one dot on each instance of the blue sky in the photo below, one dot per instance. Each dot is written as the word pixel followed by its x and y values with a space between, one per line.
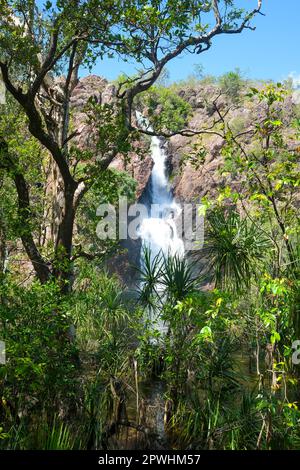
pixel 270 52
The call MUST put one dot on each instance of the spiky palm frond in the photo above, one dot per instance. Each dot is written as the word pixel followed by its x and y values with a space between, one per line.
pixel 149 276
pixel 178 277
pixel 235 247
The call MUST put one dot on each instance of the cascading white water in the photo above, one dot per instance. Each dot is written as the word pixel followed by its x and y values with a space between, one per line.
pixel 158 231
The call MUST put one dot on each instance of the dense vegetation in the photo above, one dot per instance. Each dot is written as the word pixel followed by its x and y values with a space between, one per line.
pixel 87 366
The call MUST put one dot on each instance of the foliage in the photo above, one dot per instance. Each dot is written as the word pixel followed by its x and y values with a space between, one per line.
pixel 228 365
pixel 236 247
pixel 87 359
pixel 107 188
pixel 231 83
pixel 41 370
pixel 166 110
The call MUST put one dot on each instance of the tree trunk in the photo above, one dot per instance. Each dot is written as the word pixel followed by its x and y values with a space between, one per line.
pixel 42 270
pixel 3 250
pixel 62 269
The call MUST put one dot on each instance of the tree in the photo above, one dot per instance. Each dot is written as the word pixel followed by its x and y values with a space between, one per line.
pixel 269 157
pixel 43 46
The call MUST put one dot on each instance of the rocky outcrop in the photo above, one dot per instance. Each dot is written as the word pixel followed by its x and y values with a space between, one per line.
pixel 138 164
pixel 196 179
pixel 190 184
pixel 137 167
pixel 104 92
pixel 90 87
pixel 192 179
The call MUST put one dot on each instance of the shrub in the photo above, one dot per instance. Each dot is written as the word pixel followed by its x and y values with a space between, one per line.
pixel 166 109
pixel 40 370
pixel 231 84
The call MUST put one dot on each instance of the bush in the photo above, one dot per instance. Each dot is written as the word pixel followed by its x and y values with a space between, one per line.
pixel 166 109
pixel 231 84
pixel 40 370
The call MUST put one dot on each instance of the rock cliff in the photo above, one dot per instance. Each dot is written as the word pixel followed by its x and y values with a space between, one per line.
pixel 104 92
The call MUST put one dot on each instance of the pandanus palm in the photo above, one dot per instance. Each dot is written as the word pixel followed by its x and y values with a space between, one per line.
pixel 165 277
pixel 149 275
pixel 178 278
pixel 235 248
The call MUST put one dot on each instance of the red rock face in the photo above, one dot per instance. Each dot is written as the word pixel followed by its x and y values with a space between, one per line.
pixel 88 87
pixel 137 168
pixel 190 184
pixel 105 92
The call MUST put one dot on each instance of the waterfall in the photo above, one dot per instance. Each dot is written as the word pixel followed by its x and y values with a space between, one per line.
pixel 158 230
